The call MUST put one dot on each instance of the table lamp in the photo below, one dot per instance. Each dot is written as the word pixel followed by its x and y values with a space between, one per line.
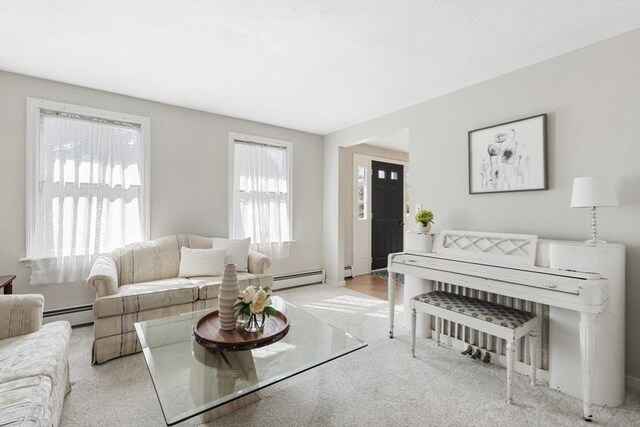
pixel 592 192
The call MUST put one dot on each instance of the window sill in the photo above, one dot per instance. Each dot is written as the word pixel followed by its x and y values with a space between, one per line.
pixel 285 242
pixel 28 260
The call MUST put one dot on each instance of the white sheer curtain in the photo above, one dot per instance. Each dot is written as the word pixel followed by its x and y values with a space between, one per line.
pixel 261 197
pixel 89 195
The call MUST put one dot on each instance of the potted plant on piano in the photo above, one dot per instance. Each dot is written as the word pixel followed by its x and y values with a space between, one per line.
pixel 424 219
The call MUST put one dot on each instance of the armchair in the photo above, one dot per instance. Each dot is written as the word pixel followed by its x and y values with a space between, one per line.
pixel 34 363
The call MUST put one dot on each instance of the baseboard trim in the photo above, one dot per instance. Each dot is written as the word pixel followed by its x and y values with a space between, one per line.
pixel 337 283
pixel 633 383
pixel 76 315
pixel 290 280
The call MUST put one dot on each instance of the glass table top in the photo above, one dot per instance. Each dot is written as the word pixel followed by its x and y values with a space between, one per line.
pixel 190 379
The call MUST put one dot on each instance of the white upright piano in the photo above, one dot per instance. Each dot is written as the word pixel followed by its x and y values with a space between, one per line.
pixel 576 290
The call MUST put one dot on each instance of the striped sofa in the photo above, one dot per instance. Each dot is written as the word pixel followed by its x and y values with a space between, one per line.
pixel 34 363
pixel 139 282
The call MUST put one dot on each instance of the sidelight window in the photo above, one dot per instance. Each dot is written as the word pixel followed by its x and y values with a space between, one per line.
pixel 361 185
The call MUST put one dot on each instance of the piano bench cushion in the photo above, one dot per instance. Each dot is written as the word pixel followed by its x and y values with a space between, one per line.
pixel 484 310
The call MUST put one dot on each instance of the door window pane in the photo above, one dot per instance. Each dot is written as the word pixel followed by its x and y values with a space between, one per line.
pixel 382 174
pixel 361 195
pixel 394 176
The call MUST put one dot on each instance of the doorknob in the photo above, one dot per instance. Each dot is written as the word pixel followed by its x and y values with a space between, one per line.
pixel 401 224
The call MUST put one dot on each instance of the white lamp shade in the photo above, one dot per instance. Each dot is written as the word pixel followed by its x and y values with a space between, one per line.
pixel 591 191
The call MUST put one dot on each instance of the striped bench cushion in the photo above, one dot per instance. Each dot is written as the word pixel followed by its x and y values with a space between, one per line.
pixel 484 310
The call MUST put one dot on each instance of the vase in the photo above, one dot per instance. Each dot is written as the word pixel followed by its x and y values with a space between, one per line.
pixel 227 298
pixel 423 228
pixel 255 323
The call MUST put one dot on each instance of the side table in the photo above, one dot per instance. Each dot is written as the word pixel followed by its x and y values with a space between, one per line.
pixel 6 284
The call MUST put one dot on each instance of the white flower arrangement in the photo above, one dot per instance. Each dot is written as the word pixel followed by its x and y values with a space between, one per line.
pixel 254 300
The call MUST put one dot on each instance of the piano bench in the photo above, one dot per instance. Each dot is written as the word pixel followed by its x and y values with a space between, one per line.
pixel 503 322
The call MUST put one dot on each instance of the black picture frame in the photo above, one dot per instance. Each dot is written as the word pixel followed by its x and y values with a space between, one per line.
pixel 509 157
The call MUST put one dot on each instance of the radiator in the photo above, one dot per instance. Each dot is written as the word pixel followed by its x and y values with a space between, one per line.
pixel 459 336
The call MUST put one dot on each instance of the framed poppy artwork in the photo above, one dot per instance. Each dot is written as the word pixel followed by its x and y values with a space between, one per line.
pixel 510 156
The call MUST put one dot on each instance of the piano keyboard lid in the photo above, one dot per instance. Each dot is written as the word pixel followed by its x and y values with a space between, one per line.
pixel 580 275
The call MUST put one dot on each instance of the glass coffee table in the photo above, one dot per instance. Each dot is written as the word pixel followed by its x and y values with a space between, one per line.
pixel 191 380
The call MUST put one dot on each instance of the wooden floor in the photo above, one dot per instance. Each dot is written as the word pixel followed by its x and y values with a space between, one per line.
pixel 374 286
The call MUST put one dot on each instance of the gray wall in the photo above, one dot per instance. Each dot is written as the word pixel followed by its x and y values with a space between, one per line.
pixel 592 96
pixel 188 176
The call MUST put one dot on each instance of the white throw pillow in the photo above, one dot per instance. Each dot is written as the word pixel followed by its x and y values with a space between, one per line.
pixel 201 262
pixel 237 251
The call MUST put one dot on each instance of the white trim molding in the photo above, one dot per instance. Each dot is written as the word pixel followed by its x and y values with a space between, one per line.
pixel 361 228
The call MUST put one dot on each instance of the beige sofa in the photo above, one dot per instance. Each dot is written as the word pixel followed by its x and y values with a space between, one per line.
pixel 34 363
pixel 139 282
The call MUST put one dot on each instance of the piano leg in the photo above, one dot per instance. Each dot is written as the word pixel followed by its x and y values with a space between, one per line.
pixel 413 332
pixel 511 350
pixel 392 303
pixel 587 351
pixel 533 344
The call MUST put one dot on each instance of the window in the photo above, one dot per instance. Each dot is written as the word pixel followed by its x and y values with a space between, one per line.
pixel 362 192
pixel 406 195
pixel 394 176
pixel 261 193
pixel 87 184
pixel 382 174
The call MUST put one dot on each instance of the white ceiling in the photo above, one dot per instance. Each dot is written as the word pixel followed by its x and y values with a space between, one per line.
pixel 316 66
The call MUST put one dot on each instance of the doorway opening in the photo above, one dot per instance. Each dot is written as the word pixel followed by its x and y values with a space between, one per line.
pixel 378 201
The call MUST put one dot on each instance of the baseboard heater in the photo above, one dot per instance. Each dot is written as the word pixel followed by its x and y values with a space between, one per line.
pixel 348 271
pixel 313 277
pixel 76 315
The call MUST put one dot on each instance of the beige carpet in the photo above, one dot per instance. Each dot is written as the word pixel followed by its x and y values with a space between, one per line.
pixel 380 385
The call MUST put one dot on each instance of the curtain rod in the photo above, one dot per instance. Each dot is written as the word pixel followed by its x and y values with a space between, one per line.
pixel 89 118
pixel 264 144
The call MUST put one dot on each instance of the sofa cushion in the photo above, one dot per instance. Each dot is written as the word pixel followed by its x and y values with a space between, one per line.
pixel 201 262
pixel 194 241
pixel 208 287
pixel 146 296
pixel 146 261
pixel 25 402
pixel 123 323
pixel 237 251
pixel 44 352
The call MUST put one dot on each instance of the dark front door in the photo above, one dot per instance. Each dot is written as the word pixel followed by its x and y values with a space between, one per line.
pixel 387 192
